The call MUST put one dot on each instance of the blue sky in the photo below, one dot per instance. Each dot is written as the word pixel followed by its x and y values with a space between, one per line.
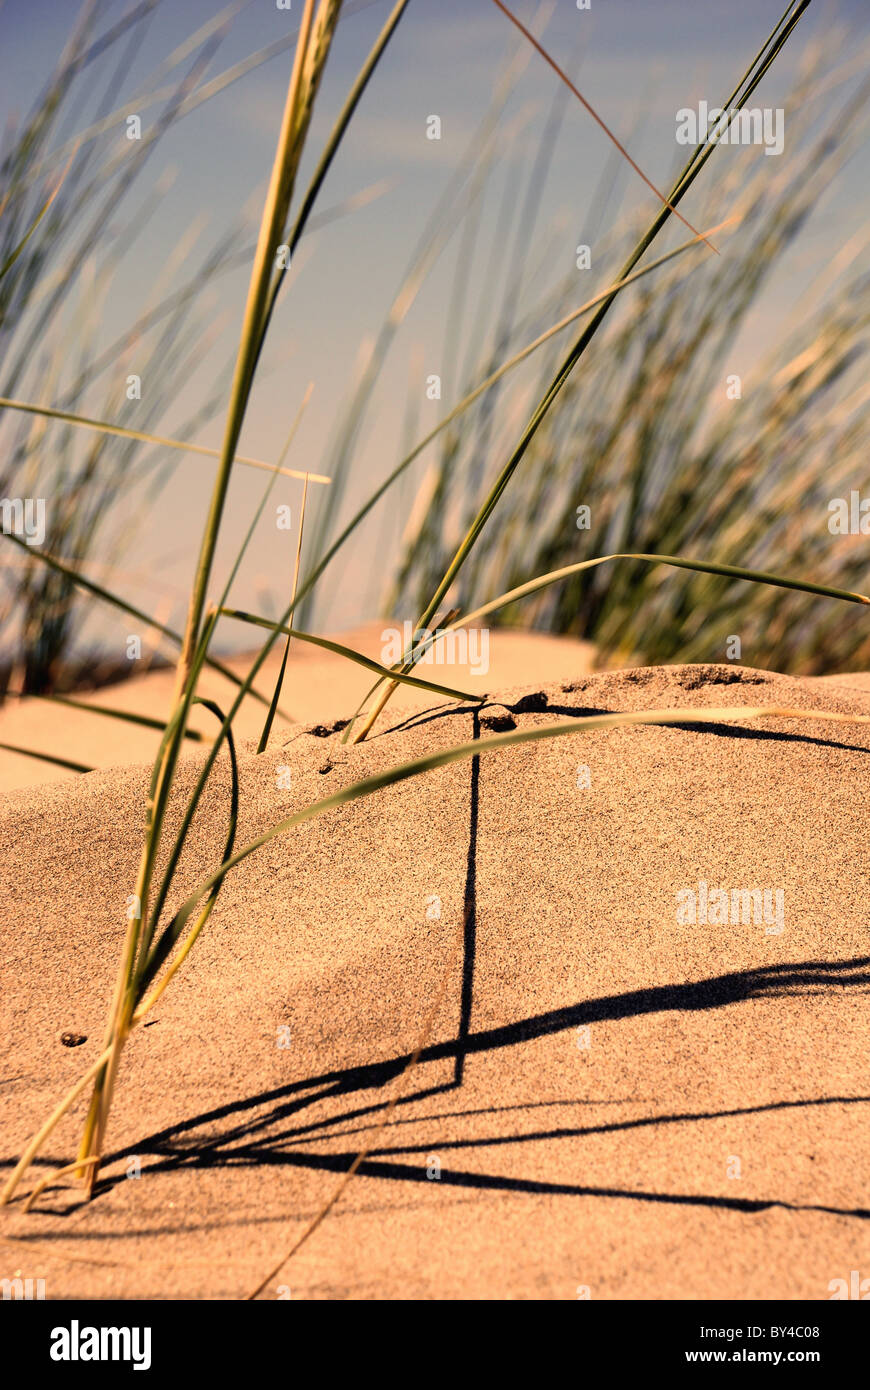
pixel 637 61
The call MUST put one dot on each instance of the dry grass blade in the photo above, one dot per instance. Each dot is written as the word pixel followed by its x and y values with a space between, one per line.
pixel 166 919
pixel 161 441
pixel 595 116
pixel 48 1126
pixel 315 35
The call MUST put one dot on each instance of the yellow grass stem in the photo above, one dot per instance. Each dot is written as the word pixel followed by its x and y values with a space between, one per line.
pixel 45 1130
pixel 51 1179
pixel 103 427
pixel 311 51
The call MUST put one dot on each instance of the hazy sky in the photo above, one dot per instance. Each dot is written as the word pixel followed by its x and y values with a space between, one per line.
pixel 637 61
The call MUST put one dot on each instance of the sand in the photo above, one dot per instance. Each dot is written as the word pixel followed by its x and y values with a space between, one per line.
pixel 612 1101
pixel 319 686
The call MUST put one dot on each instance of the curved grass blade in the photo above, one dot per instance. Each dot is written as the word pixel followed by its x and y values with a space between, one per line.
pixel 46 757
pixel 676 561
pixel 339 650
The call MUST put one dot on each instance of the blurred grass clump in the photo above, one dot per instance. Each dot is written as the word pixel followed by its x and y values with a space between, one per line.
pixel 61 259
pixel 656 439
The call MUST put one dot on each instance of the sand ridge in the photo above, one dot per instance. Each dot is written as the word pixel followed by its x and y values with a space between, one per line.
pixel 611 1101
pixel 318 686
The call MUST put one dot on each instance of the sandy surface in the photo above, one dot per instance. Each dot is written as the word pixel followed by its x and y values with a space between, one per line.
pixel 615 1101
pixel 318 686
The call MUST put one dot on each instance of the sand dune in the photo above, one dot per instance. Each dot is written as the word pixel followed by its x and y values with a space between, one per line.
pixel 318 687
pixel 611 1100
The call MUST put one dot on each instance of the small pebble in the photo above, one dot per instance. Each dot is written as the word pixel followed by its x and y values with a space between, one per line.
pixel 498 722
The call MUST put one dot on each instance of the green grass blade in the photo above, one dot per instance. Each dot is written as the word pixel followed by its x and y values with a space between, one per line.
pixel 677 561
pixel 46 757
pixel 329 151
pixel 109 711
pixel 349 653
pixel 314 36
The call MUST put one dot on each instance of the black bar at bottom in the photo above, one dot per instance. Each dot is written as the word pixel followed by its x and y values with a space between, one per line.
pixel 221 1340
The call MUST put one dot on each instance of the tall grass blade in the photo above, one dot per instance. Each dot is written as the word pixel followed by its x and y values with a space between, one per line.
pixel 312 48
pixel 762 61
